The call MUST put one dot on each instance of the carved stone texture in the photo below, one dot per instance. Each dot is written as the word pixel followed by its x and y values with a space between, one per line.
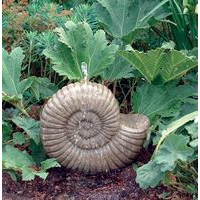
pixel 83 129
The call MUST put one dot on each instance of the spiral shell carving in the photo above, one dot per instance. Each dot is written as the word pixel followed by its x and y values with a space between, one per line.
pixel 83 129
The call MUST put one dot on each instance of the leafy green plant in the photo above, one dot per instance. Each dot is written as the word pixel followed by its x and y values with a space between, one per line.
pixel 161 100
pixel 12 87
pixel 185 30
pixel 16 161
pixel 131 46
pixel 77 44
pixel 29 44
pixel 174 157
pixel 126 18
pixel 85 13
pixel 170 64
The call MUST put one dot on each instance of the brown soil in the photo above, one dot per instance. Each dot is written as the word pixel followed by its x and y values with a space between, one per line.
pixel 63 184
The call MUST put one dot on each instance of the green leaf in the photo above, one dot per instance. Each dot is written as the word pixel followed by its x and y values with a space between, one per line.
pixel 173 127
pixel 11 68
pixel 118 70
pixel 11 99
pixel 152 100
pixel 149 175
pixel 42 88
pixel 37 152
pixel 19 138
pixel 194 143
pixel 78 44
pixel 31 127
pixel 42 174
pixel 13 158
pixel 49 163
pixel 147 63
pixel 24 85
pixel 168 45
pixel 123 17
pixel 170 64
pixel 173 148
pixel 192 129
pixel 12 88
pixel 85 13
pixel 177 64
pixel 27 173
pixel 6 131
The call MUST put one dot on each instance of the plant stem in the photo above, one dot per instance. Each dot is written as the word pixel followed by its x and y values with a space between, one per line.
pixel 45 68
pixel 29 61
pixel 114 87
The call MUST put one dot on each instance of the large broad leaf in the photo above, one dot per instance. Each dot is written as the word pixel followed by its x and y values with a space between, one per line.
pixel 192 129
pixel 6 131
pixel 177 64
pixel 42 88
pixel 149 175
pixel 11 72
pixel 173 148
pixel 152 100
pixel 78 44
pixel 30 125
pixel 123 17
pixel 12 87
pixel 49 163
pixel 13 158
pixel 147 63
pixel 170 64
pixel 29 174
pixel 119 69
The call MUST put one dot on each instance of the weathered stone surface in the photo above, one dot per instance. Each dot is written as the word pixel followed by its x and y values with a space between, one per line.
pixel 83 129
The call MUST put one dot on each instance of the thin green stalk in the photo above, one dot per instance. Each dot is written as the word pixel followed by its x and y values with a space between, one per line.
pixel 185 166
pixel 41 68
pixel 50 72
pixel 45 68
pixel 29 61
pixel 55 76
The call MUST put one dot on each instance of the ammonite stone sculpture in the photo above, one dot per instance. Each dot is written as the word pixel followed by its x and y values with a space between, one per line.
pixel 83 129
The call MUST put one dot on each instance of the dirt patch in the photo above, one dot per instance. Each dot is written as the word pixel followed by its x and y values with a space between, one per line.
pixel 63 184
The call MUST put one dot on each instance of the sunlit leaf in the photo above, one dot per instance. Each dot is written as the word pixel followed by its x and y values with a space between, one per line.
pixel 30 125
pixel 173 148
pixel 119 69
pixel 170 64
pixel 12 87
pixel 149 175
pixel 124 17
pixel 13 158
pixel 152 100
pixel 19 138
pixel 78 44
pixel 42 88
pixel 49 163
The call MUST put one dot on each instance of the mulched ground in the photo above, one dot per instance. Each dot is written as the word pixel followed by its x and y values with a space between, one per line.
pixel 63 184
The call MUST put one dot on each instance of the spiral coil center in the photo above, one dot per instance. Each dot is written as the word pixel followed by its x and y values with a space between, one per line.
pixel 85 130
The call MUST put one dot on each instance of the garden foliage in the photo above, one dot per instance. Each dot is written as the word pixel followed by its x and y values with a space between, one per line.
pixel 145 50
